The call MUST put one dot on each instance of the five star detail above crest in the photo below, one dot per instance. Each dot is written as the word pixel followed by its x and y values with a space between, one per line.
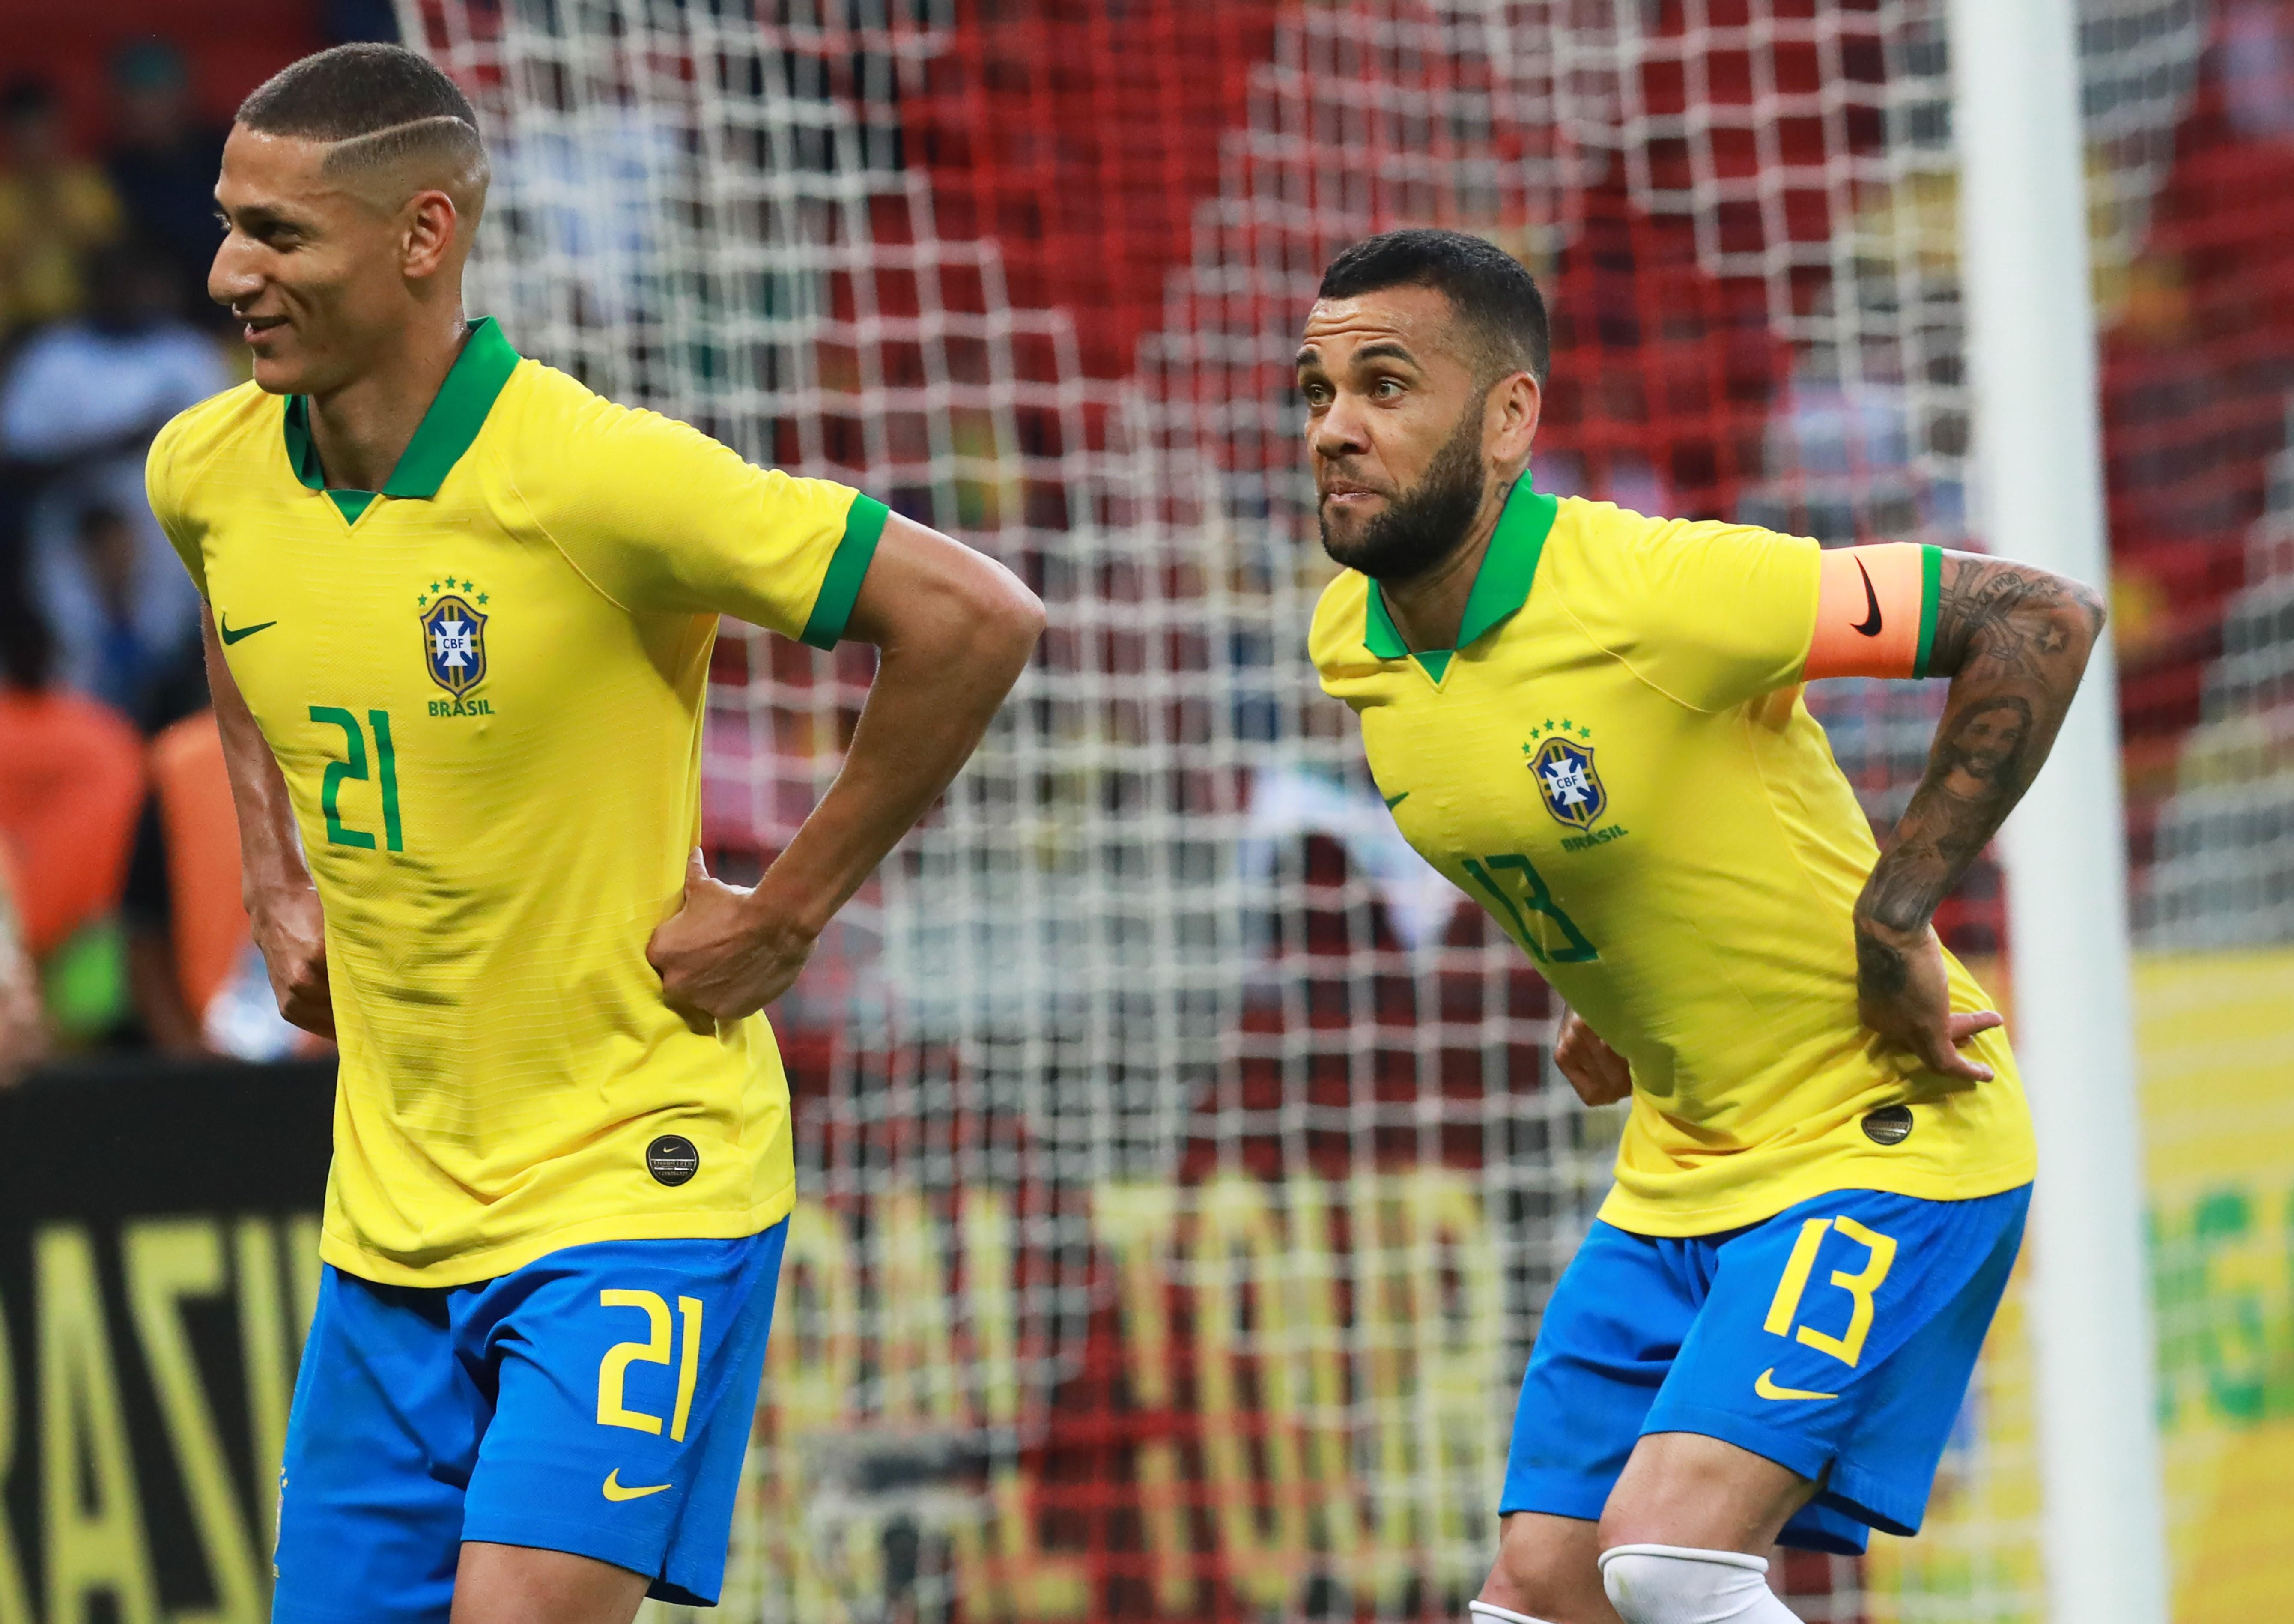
pixel 422 599
pixel 1564 729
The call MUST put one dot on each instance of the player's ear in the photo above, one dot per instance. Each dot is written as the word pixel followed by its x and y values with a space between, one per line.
pixel 1512 410
pixel 432 229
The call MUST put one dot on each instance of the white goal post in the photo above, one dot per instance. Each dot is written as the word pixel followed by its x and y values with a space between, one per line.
pixel 2037 438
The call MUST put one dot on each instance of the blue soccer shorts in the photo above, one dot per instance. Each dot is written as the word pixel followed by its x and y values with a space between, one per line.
pixel 597 1400
pixel 1835 1339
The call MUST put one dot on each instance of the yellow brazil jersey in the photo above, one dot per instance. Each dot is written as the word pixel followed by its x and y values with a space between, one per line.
pixel 1615 762
pixel 484 685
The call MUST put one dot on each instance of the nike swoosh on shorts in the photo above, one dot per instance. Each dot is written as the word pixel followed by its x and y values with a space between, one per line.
pixel 1767 1388
pixel 614 1490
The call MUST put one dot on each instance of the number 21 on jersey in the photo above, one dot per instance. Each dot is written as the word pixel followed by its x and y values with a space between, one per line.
pixel 351 770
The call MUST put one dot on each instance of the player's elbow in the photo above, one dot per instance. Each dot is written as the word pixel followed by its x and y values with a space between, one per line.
pixel 1001 618
pixel 2077 612
pixel 1008 611
pixel 2017 615
pixel 1021 612
pixel 932 600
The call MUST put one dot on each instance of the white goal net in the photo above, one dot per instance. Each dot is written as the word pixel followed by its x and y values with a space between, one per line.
pixel 1183 1170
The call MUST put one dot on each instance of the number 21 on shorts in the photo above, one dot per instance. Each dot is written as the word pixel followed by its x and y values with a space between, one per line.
pixel 1859 1284
pixel 613 1369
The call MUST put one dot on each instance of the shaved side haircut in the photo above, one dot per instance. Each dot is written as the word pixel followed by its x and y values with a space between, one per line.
pixel 1495 299
pixel 388 115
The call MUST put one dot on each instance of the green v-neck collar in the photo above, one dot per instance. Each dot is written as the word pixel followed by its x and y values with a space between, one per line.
pixel 1501 585
pixel 456 414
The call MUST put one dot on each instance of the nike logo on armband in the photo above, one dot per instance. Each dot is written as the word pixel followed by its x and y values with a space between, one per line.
pixel 1393 800
pixel 229 636
pixel 615 1491
pixel 1767 1388
pixel 1869 626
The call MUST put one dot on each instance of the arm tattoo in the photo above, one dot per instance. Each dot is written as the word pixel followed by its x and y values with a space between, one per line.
pixel 2023 620
pixel 1879 967
pixel 2013 640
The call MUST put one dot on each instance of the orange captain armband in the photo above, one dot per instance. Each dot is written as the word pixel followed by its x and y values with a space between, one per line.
pixel 1875 611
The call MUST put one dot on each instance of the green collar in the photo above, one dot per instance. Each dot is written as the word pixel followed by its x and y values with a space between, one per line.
pixel 1501 587
pixel 446 430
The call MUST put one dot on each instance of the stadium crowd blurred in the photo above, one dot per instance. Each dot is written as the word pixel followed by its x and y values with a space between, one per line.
pixel 119 923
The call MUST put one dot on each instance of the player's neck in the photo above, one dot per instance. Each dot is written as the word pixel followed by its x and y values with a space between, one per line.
pixel 1429 608
pixel 362 429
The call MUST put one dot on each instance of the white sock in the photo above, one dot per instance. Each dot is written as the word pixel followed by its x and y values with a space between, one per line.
pixel 1671 1583
pixel 1490 1612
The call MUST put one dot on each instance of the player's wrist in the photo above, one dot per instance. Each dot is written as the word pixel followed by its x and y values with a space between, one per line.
pixel 781 915
pixel 1888 960
pixel 271 898
pixel 1896 931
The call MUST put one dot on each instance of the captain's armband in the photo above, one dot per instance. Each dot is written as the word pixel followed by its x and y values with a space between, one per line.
pixel 1875 611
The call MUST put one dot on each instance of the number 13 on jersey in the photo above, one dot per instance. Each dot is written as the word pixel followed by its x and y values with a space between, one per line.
pixel 1521 894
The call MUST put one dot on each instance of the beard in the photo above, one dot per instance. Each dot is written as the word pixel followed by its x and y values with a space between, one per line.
pixel 1420 526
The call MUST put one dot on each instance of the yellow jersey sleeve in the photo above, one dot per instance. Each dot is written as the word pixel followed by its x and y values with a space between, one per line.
pixel 1710 615
pixel 664 519
pixel 163 487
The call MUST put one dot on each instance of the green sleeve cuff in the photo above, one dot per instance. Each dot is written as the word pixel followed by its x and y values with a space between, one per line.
pixel 864 527
pixel 1931 595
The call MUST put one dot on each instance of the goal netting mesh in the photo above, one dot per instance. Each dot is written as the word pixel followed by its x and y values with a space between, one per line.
pixel 1184 1167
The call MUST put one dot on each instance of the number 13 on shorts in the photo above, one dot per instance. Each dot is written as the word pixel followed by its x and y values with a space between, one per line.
pixel 1859 1284
pixel 613 1369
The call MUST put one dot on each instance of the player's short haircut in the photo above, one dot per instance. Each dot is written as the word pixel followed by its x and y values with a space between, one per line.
pixel 1496 299
pixel 379 108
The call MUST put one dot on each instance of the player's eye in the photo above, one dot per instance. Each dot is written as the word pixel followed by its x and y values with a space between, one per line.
pixel 1386 388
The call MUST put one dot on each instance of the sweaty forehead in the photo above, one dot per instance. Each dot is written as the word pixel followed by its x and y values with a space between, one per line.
pixel 1418 318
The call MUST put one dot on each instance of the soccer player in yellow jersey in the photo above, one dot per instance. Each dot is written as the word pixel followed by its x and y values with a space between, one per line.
pixel 460 615
pixel 1591 722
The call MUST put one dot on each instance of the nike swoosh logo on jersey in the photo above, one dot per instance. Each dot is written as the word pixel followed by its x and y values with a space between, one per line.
pixel 229 636
pixel 1768 1389
pixel 1393 800
pixel 1870 624
pixel 615 1491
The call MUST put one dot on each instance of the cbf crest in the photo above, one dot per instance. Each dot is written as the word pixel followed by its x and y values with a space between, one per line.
pixel 454 636
pixel 1561 760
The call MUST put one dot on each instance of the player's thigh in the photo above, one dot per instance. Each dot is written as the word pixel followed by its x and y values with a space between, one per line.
pixel 1820 1349
pixel 1684 1488
pixel 510 1584
pixel 1604 1345
pixel 1547 1569
pixel 380 1443
pixel 627 1376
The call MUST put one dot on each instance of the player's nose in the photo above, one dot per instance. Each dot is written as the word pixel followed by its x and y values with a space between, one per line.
pixel 233 278
pixel 1342 431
